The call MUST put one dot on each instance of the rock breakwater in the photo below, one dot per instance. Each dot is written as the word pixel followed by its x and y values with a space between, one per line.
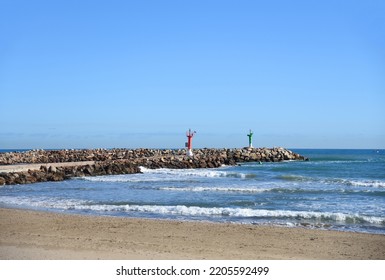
pixel 125 161
pixel 51 173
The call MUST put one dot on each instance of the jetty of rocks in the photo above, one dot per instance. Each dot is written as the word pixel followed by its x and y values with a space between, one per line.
pixel 58 165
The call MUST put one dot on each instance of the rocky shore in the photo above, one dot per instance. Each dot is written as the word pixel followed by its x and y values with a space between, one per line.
pixel 125 161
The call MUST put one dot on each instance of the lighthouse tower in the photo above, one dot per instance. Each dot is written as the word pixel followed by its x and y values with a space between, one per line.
pixel 250 135
pixel 189 135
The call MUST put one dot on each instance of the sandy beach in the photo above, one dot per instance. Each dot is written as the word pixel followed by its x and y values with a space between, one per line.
pixel 42 235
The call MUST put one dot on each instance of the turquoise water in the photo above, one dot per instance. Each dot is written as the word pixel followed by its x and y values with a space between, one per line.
pixel 336 189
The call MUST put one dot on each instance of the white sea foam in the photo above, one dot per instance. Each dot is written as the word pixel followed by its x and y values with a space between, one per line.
pixel 153 175
pixel 182 210
pixel 236 212
pixel 333 181
pixel 42 202
pixel 216 189
pixel 356 183
pixel 199 172
pixel 121 178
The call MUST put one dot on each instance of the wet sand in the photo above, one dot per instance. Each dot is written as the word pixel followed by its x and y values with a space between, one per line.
pixel 42 235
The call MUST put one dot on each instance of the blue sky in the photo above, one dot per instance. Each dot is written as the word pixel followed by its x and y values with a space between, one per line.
pixel 90 74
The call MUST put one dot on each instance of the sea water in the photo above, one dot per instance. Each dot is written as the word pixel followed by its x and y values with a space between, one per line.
pixel 337 189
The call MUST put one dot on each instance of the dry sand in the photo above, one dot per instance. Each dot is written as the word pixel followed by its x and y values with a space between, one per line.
pixel 41 235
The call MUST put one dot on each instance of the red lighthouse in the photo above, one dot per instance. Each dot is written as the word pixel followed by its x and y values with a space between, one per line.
pixel 189 135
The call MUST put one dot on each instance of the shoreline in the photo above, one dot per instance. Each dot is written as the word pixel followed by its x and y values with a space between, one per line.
pixel 29 234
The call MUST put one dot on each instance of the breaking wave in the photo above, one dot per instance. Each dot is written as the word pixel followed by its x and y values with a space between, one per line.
pixel 215 189
pixel 153 175
pixel 333 181
pixel 182 210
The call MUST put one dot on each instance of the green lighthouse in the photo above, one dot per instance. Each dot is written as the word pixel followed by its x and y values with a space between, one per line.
pixel 250 135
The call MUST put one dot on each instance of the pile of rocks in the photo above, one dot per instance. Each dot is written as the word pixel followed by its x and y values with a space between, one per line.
pixel 225 155
pixel 52 173
pixel 51 156
pixel 123 161
pixel 211 158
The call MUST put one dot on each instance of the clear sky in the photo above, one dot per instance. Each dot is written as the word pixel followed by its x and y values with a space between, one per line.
pixel 139 73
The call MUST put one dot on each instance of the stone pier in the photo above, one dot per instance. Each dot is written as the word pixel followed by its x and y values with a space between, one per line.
pixel 42 165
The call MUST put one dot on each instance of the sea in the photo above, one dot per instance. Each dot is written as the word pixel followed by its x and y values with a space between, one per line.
pixel 341 190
